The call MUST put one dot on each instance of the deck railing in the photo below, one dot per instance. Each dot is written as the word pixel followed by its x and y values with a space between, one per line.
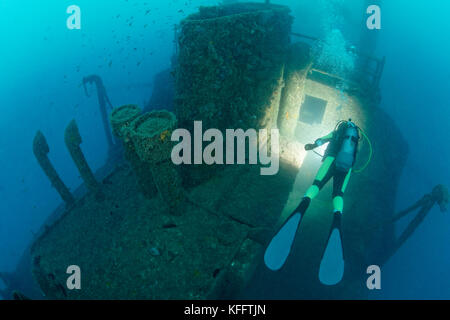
pixel 368 69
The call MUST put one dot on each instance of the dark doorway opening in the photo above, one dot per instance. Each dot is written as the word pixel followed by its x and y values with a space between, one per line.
pixel 312 110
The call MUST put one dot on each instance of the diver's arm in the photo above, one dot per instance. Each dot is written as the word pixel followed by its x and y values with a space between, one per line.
pixel 320 141
pixel 324 139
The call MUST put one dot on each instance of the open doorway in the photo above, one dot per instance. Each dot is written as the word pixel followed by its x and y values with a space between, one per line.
pixel 312 110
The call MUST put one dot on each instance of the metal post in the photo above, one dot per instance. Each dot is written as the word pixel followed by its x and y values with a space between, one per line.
pixel 121 121
pixel 153 146
pixel 73 140
pixel 41 150
pixel 103 101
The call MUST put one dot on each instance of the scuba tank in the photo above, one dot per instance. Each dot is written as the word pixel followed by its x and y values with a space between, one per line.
pixel 346 155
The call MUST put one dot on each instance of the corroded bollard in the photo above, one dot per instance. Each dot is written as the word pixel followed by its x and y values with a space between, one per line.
pixel 151 134
pixel 40 150
pixel 122 117
pixel 73 140
pixel 121 120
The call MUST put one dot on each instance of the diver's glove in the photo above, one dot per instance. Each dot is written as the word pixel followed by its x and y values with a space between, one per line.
pixel 316 144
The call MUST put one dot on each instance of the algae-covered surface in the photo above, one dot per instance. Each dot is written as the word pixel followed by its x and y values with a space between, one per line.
pixel 130 247
pixel 125 112
pixel 153 125
pixel 230 63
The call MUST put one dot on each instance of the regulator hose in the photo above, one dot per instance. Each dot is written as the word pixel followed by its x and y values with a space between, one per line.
pixel 370 152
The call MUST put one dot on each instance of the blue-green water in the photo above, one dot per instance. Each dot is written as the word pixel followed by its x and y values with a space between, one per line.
pixel 128 42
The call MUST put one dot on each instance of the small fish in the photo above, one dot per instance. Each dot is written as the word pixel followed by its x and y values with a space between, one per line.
pixel 287 115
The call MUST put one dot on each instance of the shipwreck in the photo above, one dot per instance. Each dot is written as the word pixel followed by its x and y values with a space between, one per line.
pixel 142 227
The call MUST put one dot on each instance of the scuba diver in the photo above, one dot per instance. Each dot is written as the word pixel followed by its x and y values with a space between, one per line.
pixel 338 162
